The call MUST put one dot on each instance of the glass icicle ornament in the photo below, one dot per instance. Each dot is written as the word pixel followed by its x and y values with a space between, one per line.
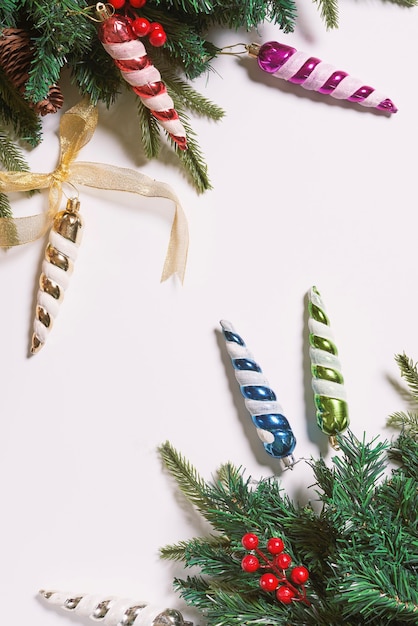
pixel 266 413
pixel 60 254
pixel 327 380
pixel 311 73
pixel 130 56
pixel 112 611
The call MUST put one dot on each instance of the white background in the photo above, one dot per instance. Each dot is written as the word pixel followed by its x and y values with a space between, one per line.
pixel 306 191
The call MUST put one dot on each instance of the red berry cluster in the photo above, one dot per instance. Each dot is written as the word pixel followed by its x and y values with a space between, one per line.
pixel 287 588
pixel 140 25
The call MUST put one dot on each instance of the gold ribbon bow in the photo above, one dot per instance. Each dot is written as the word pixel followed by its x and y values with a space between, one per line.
pixel 76 129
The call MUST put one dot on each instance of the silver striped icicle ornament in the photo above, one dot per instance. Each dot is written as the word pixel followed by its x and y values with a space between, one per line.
pixel 113 611
pixel 60 254
pixel 266 413
pixel 327 379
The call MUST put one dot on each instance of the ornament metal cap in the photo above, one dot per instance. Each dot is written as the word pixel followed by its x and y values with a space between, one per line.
pixel 253 49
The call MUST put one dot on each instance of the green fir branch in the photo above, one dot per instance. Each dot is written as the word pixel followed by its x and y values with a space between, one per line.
pixel 329 12
pixel 409 372
pixel 5 208
pixel 8 13
pixel 190 483
pixel 59 29
pixel 11 159
pixel 405 452
pixel 190 98
pixel 150 132
pixel 188 6
pixel 361 549
pixel 408 422
pixel 96 75
pixel 192 158
pixel 16 112
pixel 184 550
pixel 11 156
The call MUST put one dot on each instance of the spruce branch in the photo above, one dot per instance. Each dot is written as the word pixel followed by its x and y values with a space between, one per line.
pixel 405 452
pixel 409 372
pixel 329 12
pixel 5 209
pixel 188 480
pixel 361 549
pixel 150 132
pixel 11 158
pixel 181 550
pixel 190 98
pixel 16 112
pixel 408 422
pixel 192 158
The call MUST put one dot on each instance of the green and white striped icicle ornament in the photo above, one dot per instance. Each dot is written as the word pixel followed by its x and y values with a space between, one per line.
pixel 327 380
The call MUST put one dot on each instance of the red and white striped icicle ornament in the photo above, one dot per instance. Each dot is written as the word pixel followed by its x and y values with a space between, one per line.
pixel 130 56
pixel 311 73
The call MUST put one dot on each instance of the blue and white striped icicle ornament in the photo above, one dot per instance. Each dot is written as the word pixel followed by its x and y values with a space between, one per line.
pixel 266 413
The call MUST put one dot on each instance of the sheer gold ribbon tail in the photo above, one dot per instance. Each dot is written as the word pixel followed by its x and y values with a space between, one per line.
pixel 77 127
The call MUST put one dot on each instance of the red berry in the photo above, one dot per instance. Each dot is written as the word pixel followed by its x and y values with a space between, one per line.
pixel 140 26
pixel 285 594
pixel 157 37
pixel 269 582
pixel 299 575
pixel 137 4
pixel 275 545
pixel 117 4
pixel 249 541
pixel 250 563
pixel 283 560
pixel 156 26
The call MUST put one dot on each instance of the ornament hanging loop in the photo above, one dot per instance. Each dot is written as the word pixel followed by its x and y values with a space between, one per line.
pixel 67 182
pixel 87 10
pixel 104 11
pixel 235 45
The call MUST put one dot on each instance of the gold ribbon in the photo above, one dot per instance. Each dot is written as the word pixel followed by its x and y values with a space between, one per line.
pixel 76 129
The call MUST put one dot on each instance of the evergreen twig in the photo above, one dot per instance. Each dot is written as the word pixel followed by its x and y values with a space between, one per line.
pixel 361 549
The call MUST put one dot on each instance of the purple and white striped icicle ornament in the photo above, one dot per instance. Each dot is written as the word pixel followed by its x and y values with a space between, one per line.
pixel 311 73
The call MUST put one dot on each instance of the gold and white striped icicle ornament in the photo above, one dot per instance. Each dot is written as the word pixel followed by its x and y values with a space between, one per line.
pixel 60 255
pixel 113 611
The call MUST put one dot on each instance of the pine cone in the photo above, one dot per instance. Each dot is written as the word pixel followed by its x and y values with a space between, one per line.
pixel 15 59
pixel 52 102
pixel 15 56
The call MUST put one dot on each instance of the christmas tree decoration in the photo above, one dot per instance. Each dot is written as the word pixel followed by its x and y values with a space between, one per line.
pixel 60 255
pixel 327 380
pixel 297 67
pixel 76 129
pixel 175 38
pixel 288 589
pixel 112 611
pixel 359 547
pixel 266 413
pixel 121 43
